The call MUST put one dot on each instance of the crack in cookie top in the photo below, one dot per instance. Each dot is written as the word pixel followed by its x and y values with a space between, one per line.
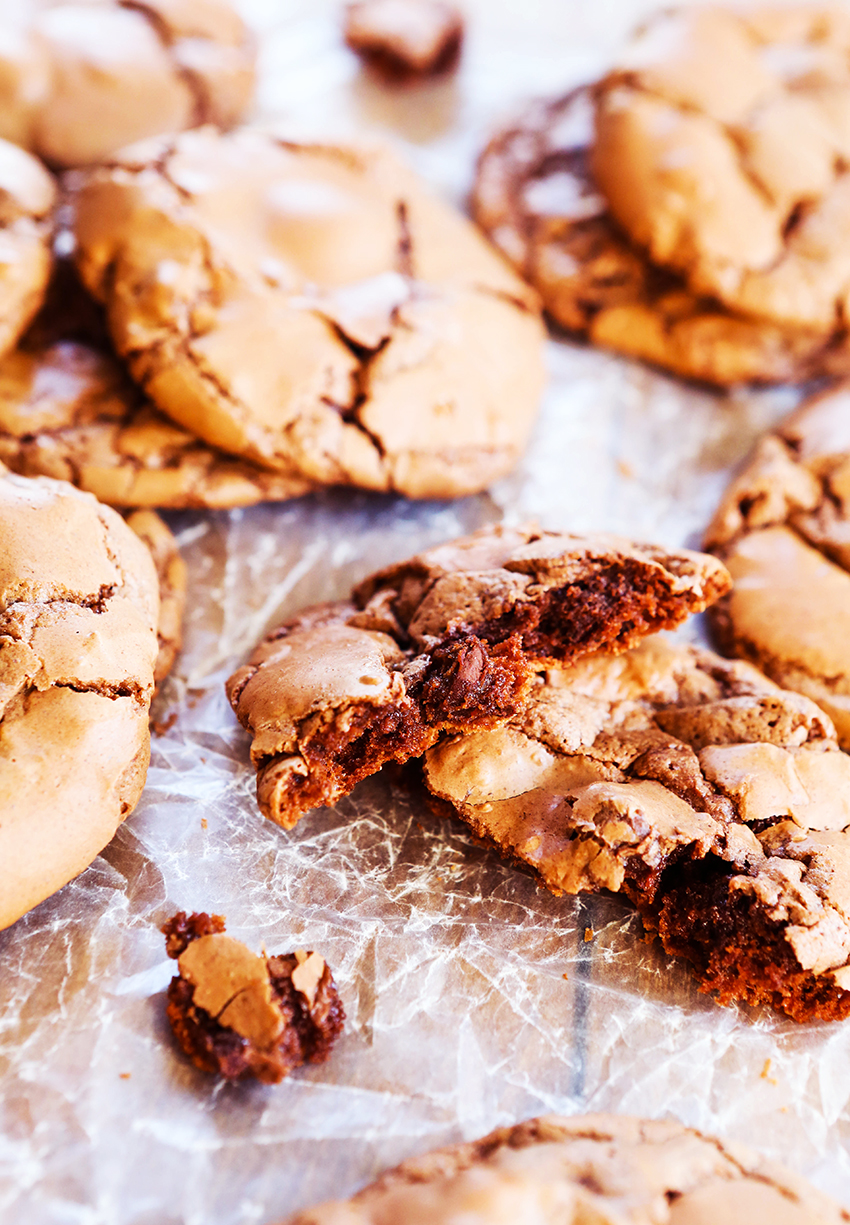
pixel 313 307
pixel 722 146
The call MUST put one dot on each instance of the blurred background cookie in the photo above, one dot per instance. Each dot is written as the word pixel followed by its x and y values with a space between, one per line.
pixel 404 40
pixel 79 81
pixel 599 1168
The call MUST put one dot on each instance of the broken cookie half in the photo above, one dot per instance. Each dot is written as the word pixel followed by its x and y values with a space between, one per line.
pixel 718 803
pixel 449 639
pixel 238 1014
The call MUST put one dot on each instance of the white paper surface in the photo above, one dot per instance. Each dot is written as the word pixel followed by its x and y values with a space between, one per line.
pixel 473 997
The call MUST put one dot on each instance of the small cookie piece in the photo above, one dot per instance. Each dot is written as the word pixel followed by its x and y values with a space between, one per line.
pixel 171 573
pixel 536 197
pixel 722 143
pixel 783 529
pixel 714 800
pixel 605 1169
pixel 84 80
pixel 79 605
pixel 448 638
pixel 28 195
pixel 237 1014
pixel 405 39
pixel 313 308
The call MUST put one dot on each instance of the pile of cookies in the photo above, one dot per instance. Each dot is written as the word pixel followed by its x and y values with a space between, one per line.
pixel 204 315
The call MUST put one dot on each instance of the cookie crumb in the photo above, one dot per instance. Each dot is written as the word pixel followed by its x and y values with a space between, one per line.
pixel 236 1013
pixel 405 40
pixel 588 934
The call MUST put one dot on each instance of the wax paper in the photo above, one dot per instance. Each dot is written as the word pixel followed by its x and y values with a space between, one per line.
pixel 474 998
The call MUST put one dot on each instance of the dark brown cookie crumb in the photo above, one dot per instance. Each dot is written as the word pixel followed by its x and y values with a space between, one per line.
pixel 237 1014
pixel 404 40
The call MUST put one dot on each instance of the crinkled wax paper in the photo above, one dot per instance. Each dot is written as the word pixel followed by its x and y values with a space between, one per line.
pixel 474 998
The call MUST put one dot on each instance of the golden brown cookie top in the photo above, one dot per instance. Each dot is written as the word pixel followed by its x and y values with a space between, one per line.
pixel 82 80
pixel 79 604
pixel 315 307
pixel 605 1168
pixel 536 197
pixel 721 142
pixel 783 528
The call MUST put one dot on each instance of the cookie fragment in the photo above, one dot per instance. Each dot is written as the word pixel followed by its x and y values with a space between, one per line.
pixel 537 198
pixel 718 803
pixel 79 606
pixel 238 1014
pixel 405 39
pixel 783 528
pixel 82 81
pixel 601 1168
pixel 446 639
pixel 313 309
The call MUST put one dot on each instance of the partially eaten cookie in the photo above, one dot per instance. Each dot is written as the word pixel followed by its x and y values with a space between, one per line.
pixel 449 639
pixel 238 1014
pixel 718 803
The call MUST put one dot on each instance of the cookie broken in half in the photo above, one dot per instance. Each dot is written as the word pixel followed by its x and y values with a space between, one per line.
pixel 718 803
pixel 450 638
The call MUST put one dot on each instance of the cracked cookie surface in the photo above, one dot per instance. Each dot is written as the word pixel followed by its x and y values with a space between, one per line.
pixel 783 529
pixel 722 145
pixel 314 309
pixel 536 197
pixel 238 1014
pixel 608 1169
pixel 714 800
pixel 69 411
pixel 448 638
pixel 79 605
pixel 80 81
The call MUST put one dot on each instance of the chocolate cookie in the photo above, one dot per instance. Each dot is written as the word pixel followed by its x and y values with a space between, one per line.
pixel 83 80
pixel 605 1169
pixel 314 309
pixel 722 145
pixel 536 197
pixel 78 644
pixel 237 1014
pixel 405 39
pixel 68 410
pixel 447 639
pixel 28 195
pixel 783 528
pixel 714 800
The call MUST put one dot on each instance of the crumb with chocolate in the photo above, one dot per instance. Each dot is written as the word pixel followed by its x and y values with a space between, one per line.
pixel 238 1014
pixel 405 40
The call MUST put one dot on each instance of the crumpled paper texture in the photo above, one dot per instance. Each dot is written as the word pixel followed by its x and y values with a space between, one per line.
pixel 474 998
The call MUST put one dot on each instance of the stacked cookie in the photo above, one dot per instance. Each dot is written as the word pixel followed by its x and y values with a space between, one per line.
pixel 691 209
